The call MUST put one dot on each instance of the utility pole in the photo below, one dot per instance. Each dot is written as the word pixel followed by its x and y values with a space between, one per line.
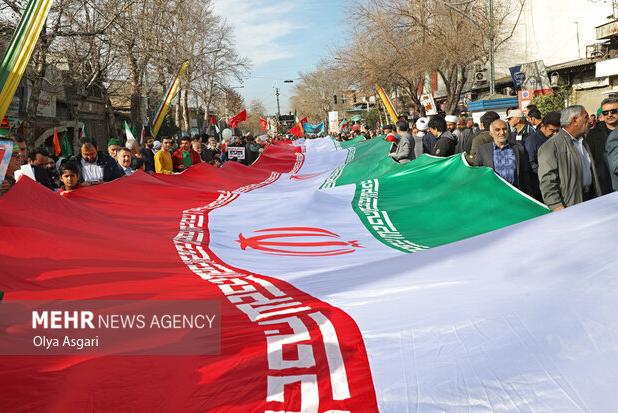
pixel 492 41
pixel 278 106
pixel 579 54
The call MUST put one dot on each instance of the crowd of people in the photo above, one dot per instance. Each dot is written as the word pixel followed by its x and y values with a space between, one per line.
pixel 94 165
pixel 559 158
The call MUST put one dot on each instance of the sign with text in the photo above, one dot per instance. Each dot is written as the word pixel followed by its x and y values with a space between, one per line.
pixel 6 149
pixel 333 122
pixel 105 327
pixel 429 105
pixel 237 152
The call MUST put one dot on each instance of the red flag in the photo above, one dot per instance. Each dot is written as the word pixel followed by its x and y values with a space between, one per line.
pixel 263 123
pixel 243 362
pixel 235 120
pixel 57 148
pixel 304 120
pixel 296 131
pixel 212 120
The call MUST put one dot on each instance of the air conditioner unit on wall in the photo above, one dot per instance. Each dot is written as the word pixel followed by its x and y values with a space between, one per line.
pixel 480 77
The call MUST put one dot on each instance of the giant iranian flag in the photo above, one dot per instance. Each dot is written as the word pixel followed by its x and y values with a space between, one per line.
pixel 347 283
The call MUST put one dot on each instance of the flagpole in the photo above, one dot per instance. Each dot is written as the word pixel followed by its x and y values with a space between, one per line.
pixel 20 50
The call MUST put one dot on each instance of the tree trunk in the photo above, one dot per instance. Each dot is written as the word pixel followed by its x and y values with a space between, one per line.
pixel 136 95
pixel 39 60
pixel 185 112
pixel 456 84
pixel 178 112
pixel 110 117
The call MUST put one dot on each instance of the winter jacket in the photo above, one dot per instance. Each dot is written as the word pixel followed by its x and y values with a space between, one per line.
pixel 445 145
pixel 111 169
pixel 485 157
pixel 612 157
pixel 428 142
pixel 148 157
pixel 596 140
pixel 208 154
pixel 464 142
pixel 480 139
pixel 532 145
pixel 177 158
pixel 527 130
pixel 560 172
pixel 252 152
pixel 405 148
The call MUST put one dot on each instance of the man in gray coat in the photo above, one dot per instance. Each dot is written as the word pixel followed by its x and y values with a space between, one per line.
pixel 567 172
pixel 405 146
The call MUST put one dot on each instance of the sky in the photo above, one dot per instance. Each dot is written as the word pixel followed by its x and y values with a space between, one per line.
pixel 282 38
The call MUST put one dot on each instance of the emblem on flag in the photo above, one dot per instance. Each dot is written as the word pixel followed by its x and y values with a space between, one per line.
pixel 301 241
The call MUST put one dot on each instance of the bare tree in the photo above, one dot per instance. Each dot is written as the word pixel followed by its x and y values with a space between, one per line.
pixel 230 102
pixel 129 51
pixel 256 109
pixel 382 52
pixel 396 43
pixel 218 66
pixel 313 94
pixel 59 25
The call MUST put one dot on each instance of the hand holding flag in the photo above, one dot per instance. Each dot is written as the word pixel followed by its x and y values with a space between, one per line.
pixel 130 138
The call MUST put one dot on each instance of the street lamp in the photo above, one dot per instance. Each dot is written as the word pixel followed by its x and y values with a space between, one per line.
pixel 276 87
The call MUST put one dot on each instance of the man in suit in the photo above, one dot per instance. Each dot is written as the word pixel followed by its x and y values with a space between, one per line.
pixel 507 159
pixel 567 171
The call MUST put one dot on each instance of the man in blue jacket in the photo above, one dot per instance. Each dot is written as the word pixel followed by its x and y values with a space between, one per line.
pixel 549 126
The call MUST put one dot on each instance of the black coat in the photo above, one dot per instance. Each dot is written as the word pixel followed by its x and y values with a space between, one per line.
pixel 209 154
pixel 485 157
pixel 428 142
pixel 111 168
pixel 596 139
pixel 41 174
pixel 532 145
pixel 252 152
pixel 148 157
pixel 445 145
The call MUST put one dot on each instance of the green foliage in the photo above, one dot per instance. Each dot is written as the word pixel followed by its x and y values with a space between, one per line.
pixel 555 102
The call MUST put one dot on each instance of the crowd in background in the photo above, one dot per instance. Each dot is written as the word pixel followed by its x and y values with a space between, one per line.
pixel 559 158
pixel 94 165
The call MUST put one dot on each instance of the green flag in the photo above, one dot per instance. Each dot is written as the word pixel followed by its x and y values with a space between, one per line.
pixel 67 147
pixel 420 197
